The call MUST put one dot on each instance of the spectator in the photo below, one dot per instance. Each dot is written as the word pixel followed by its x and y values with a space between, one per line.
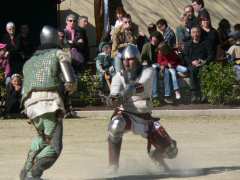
pixel 168 60
pixel 236 27
pixel 121 37
pixel 182 32
pixel 61 39
pixel 75 41
pixel 149 58
pixel 151 28
pixel 82 25
pixel 14 96
pixel 120 12
pixel 209 34
pixel 168 34
pixel 224 29
pixel 191 18
pixel 234 52
pixel 4 62
pixel 196 53
pixel 104 66
pixel 25 43
pixel 15 59
pixel 199 9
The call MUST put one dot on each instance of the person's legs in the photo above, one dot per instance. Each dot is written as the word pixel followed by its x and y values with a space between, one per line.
pixel 166 79
pixel 181 69
pixel 45 150
pixel 195 84
pixel 155 93
pixel 118 62
pixel 116 130
pixel 165 146
pixel 167 87
pixel 175 82
pixel 174 78
pixel 237 71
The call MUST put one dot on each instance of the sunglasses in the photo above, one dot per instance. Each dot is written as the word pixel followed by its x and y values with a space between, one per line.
pixel 71 20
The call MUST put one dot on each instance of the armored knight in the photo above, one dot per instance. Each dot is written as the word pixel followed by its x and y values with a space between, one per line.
pixel 131 96
pixel 43 73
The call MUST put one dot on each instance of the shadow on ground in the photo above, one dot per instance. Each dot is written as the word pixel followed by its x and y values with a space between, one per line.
pixel 177 173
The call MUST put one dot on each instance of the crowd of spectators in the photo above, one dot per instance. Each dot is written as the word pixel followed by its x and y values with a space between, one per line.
pixel 178 53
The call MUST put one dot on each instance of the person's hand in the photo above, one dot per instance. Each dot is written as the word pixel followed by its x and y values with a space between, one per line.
pixel 70 87
pixel 6 54
pixel 195 63
pixel 80 40
pixel 141 33
pixel 139 88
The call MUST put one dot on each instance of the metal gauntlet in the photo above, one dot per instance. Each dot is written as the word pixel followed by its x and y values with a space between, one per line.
pixel 68 72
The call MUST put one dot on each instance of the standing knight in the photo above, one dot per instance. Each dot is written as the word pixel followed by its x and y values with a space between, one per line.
pixel 43 74
pixel 131 90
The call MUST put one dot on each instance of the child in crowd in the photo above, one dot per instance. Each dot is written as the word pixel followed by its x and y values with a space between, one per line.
pixel 234 53
pixel 168 60
pixel 14 96
pixel 104 66
pixel 4 62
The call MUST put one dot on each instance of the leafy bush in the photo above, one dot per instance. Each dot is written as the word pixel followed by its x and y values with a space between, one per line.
pixel 217 83
pixel 88 89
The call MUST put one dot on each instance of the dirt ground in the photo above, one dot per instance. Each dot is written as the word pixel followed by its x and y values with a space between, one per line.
pixel 209 149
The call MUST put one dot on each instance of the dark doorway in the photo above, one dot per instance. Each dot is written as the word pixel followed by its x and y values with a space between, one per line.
pixel 31 12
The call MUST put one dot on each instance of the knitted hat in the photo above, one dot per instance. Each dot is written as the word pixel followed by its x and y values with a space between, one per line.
pixel 103 45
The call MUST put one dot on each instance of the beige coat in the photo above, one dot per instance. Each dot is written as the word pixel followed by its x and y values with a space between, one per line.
pixel 122 38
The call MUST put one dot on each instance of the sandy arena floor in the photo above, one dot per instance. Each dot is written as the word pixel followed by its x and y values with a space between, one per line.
pixel 209 149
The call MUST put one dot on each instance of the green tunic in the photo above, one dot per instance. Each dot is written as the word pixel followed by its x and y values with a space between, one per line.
pixel 40 72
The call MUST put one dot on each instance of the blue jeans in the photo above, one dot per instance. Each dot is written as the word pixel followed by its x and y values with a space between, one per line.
pixel 118 66
pixel 237 71
pixel 155 92
pixel 173 73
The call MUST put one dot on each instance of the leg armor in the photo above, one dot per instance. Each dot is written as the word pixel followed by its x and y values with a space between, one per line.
pixel 116 130
pixel 165 146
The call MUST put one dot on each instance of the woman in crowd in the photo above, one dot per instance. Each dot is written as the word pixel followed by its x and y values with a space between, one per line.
pixel 167 58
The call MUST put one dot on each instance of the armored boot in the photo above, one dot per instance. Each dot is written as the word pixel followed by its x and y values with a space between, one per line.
pixel 28 164
pixel 114 149
pixel 158 158
pixel 41 165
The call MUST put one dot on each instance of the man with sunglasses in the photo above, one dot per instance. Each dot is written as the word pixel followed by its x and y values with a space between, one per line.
pixel 130 94
pixel 121 37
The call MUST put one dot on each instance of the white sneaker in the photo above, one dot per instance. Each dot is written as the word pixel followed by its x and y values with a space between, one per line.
pixel 178 95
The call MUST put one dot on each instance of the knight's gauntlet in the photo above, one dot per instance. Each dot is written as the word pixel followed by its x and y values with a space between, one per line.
pixel 69 76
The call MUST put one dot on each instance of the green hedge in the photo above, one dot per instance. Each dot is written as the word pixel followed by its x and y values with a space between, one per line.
pixel 88 89
pixel 218 83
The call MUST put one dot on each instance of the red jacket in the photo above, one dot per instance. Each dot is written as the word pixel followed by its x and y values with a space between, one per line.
pixel 171 58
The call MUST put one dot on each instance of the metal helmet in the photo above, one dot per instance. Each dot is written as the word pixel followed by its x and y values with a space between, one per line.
pixel 131 52
pixel 48 35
